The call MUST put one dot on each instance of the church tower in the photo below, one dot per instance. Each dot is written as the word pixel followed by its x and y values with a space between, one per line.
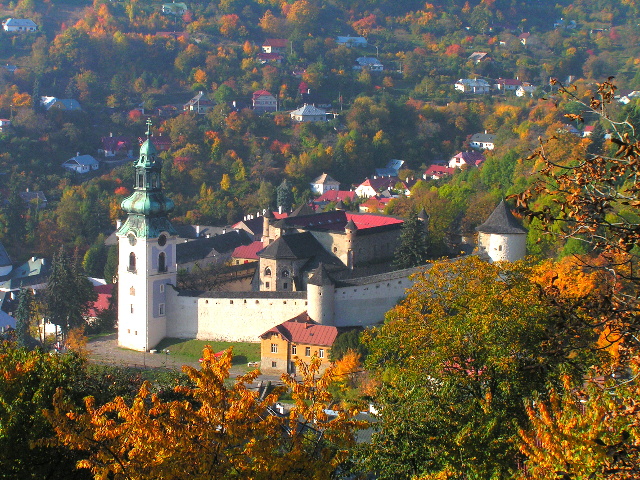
pixel 147 255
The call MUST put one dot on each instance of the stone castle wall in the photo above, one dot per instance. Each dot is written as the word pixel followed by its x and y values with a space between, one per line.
pixel 225 316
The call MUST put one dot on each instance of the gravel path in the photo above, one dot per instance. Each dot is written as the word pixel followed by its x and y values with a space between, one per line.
pixel 105 350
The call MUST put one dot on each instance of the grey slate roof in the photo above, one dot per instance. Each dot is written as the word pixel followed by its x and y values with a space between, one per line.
pixel 205 247
pixel 320 277
pixel 501 221
pixel 300 246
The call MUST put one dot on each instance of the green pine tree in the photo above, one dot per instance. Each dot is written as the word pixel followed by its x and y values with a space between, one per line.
pixel 413 249
pixel 111 265
pixel 23 315
pixel 68 293
pixel 284 196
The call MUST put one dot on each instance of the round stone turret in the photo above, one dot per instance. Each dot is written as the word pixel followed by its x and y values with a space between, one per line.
pixel 502 237
pixel 321 296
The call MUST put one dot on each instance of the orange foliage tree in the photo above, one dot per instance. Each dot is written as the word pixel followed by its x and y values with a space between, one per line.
pixel 213 431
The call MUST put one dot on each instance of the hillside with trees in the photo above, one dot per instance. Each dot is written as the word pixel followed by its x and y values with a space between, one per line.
pixel 123 62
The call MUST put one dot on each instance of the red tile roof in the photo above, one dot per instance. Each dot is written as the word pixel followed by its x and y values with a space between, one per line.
pixel 248 251
pixel 102 303
pixel 275 42
pixel 303 330
pixel 368 220
pixel 260 93
pixel 335 195
pixel 438 171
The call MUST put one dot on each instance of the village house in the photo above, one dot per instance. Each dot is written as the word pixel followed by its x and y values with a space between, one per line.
pixel 269 58
pixel 118 145
pixel 199 104
pixel 391 169
pixel 436 172
pixel 174 8
pixel 263 102
pixel 375 204
pixel 299 337
pixel 5 123
pixel 478 57
pixel 334 196
pixel 53 103
pixel 323 184
pixel 472 159
pixel 470 85
pixel 19 25
pixel 275 45
pixel 309 113
pixel 81 164
pixel 34 199
pixel 369 63
pixel 507 84
pixel 482 141
pixel 376 185
pixel 525 89
pixel 349 41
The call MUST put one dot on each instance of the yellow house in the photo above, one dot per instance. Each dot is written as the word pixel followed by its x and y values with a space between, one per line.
pixel 299 337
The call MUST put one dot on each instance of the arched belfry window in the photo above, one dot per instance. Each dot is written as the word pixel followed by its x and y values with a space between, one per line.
pixel 267 272
pixel 132 262
pixel 162 262
pixel 140 180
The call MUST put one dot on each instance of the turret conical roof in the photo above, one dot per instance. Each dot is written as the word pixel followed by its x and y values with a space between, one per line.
pixel 501 221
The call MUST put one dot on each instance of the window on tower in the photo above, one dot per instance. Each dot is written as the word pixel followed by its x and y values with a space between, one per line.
pixel 132 263
pixel 140 181
pixel 162 262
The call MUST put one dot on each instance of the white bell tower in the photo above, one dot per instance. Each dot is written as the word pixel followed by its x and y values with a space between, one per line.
pixel 147 256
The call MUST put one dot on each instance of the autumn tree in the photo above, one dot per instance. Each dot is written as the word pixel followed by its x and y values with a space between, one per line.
pixel 595 201
pixel 215 429
pixel 454 361
pixel 28 381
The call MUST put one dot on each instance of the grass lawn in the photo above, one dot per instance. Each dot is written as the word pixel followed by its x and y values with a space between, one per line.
pixel 192 349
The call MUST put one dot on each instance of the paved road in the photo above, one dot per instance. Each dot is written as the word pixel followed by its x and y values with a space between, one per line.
pixel 105 350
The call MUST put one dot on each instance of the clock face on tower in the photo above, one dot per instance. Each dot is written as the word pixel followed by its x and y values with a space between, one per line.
pixel 162 240
pixel 132 239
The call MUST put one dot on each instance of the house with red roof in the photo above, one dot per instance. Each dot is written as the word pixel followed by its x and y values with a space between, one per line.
pixel 375 204
pixel 247 253
pixel 263 102
pixel 102 303
pixel 436 172
pixel 507 84
pixel 118 145
pixel 299 337
pixel 269 58
pixel 275 45
pixel 472 159
pixel 375 185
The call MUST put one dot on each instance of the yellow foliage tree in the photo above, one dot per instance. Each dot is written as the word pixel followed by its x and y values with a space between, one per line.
pixel 215 431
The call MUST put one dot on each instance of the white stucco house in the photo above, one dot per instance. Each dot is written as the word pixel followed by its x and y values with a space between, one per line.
pixel 477 86
pixel 20 25
pixel 324 183
pixel 81 163
pixel 309 113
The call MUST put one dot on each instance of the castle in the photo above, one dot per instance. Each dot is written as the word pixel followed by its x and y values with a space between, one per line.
pixel 319 265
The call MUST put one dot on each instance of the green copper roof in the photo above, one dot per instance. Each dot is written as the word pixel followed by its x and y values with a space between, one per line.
pixel 146 227
pixel 148 156
pixel 147 207
pixel 144 202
